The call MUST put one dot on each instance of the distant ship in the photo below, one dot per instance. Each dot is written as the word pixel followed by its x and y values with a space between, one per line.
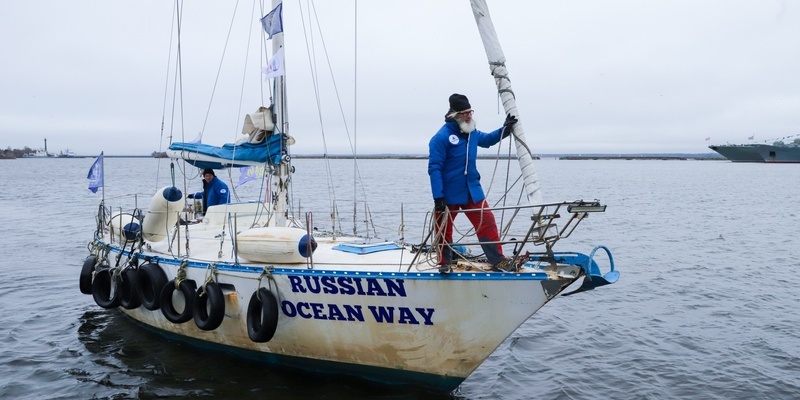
pixel 778 152
pixel 37 154
pixel 41 153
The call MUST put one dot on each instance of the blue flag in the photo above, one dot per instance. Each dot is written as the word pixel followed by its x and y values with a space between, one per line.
pixel 96 174
pixel 273 22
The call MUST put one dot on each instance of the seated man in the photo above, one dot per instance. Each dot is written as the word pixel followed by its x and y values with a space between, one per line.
pixel 215 191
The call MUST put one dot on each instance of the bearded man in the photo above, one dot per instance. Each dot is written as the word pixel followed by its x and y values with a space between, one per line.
pixel 455 181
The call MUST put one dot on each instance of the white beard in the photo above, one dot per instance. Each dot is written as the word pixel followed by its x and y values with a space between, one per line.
pixel 467 127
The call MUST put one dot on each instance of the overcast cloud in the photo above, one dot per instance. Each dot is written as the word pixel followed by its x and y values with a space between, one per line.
pixel 611 76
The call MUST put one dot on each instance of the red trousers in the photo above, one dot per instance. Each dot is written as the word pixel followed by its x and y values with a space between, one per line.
pixel 485 228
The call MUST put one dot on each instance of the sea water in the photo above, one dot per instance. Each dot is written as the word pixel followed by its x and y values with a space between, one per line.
pixel 706 307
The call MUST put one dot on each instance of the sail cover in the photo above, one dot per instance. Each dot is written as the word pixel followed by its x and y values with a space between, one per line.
pixel 230 155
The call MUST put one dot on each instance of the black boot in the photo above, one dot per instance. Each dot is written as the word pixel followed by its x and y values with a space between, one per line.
pixel 447 256
pixel 493 256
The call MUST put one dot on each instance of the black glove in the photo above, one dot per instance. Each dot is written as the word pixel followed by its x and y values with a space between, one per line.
pixel 191 196
pixel 439 204
pixel 508 125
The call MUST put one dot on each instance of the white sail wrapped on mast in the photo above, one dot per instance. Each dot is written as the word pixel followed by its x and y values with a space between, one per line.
pixel 497 65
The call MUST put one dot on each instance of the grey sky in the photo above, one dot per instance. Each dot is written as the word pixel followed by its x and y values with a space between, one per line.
pixel 590 76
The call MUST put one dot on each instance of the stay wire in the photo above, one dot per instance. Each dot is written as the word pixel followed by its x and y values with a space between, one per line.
pixel 166 91
pixel 308 32
pixel 358 181
pixel 219 68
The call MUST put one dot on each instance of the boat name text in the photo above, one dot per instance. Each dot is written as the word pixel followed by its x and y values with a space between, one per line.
pixel 353 312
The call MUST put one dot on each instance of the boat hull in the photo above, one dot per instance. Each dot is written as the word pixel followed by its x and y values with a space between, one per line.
pixel 762 153
pixel 739 153
pixel 779 154
pixel 426 329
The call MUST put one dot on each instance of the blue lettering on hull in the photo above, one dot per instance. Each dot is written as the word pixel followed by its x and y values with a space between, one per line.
pixel 347 286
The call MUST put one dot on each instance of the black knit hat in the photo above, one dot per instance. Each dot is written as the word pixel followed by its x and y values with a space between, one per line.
pixel 209 171
pixel 459 102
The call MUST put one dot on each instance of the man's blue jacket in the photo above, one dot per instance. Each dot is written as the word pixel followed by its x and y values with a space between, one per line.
pixel 217 193
pixel 451 163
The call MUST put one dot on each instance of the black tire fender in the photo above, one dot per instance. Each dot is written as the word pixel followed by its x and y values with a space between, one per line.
pixel 129 295
pixel 187 289
pixel 105 291
pixel 262 316
pixel 149 282
pixel 86 274
pixel 209 309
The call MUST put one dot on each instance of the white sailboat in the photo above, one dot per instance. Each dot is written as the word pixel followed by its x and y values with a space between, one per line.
pixel 255 280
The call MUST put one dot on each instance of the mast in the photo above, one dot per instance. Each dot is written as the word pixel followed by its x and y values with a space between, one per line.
pixel 280 184
pixel 498 69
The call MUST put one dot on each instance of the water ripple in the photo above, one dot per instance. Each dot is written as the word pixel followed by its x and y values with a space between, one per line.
pixel 706 307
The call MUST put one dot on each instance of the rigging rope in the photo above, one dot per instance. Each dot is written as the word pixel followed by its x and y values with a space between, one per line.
pixel 166 92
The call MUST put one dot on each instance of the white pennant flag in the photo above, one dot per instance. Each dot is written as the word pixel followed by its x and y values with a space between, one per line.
pixel 275 67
